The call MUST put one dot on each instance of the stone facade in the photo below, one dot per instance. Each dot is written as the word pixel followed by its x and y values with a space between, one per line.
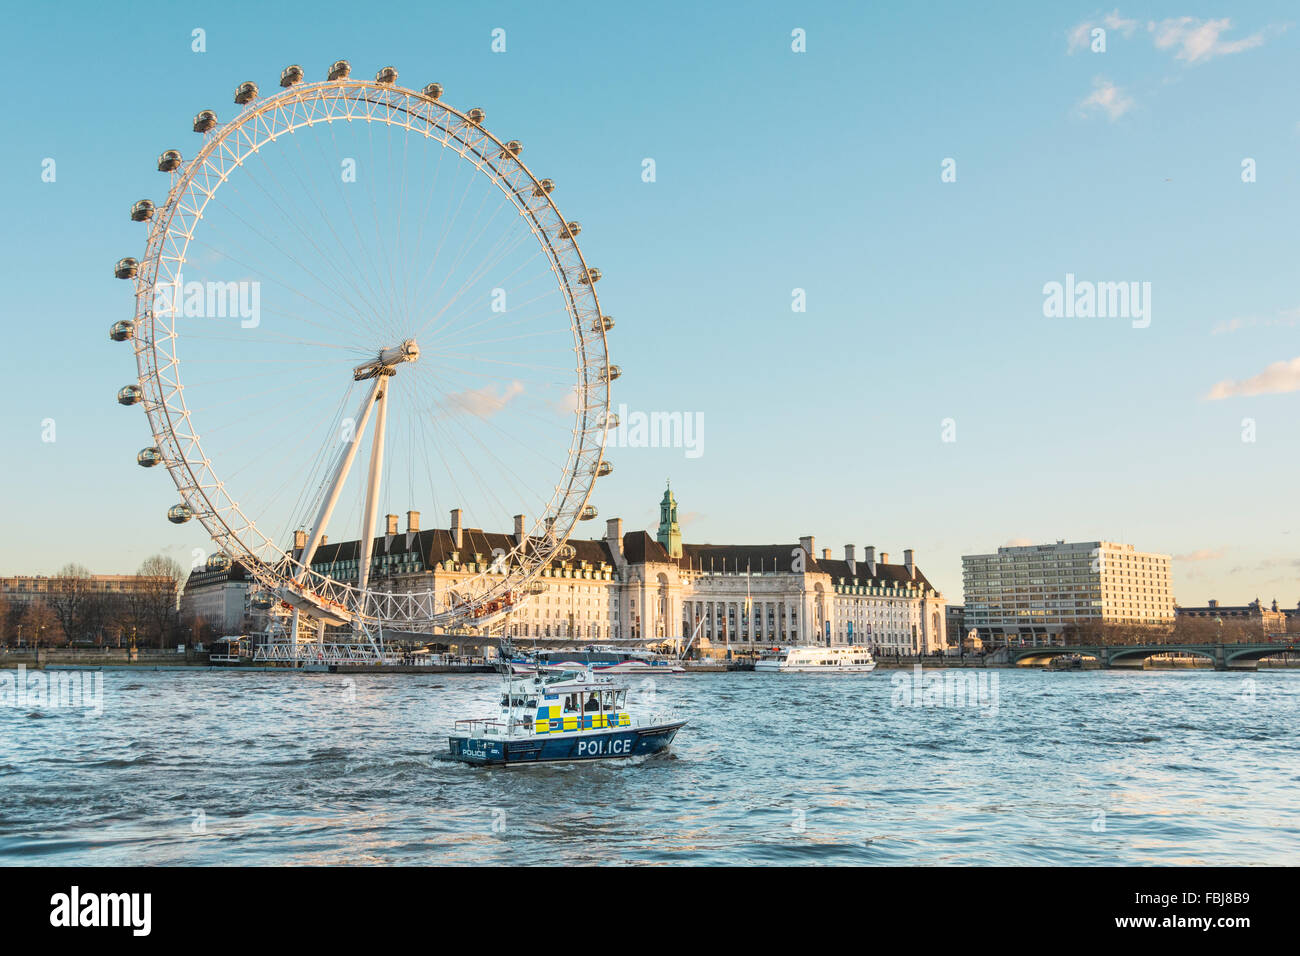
pixel 634 586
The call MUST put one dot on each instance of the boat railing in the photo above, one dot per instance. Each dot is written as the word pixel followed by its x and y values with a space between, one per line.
pixel 483 727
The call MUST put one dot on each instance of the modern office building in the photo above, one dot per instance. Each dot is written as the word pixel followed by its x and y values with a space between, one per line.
pixel 1039 591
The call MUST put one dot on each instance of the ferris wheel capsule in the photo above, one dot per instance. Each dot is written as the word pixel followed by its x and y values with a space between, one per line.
pixel 603 324
pixel 512 148
pixel 126 268
pixel 603 469
pixel 433 91
pixel 179 514
pixel 122 331
pixel 611 372
pixel 204 121
pixel 610 421
pixel 217 561
pixel 588 512
pixel 476 116
pixel 570 230
pixel 129 395
pixel 544 188
pixel 339 70
pixel 262 601
pixel 169 161
pixel 290 75
pixel 142 210
pixel 245 93
pixel 387 75
pixel 589 276
pixel 149 457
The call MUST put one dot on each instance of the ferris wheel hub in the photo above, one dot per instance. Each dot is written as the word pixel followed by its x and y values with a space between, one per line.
pixel 387 361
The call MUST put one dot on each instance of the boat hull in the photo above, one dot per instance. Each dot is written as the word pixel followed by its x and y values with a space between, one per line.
pixel 813 668
pixel 555 748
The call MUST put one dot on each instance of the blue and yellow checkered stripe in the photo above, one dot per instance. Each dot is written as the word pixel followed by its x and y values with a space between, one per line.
pixel 550 721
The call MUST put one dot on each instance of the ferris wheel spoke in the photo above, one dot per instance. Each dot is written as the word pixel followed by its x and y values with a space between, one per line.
pixel 354 305
pixel 368 294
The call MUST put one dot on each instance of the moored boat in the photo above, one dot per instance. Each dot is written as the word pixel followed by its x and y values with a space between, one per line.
pixel 562 715
pixel 817 660
pixel 612 660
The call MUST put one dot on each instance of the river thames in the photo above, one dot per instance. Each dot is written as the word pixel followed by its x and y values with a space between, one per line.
pixel 1110 767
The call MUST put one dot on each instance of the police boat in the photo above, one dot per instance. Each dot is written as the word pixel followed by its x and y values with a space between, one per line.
pixel 561 714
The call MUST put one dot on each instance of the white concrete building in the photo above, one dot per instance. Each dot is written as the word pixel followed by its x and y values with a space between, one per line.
pixel 1038 591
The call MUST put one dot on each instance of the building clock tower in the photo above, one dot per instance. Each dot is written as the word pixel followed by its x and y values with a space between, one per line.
pixel 670 535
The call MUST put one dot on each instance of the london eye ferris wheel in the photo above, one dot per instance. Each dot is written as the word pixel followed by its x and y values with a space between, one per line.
pixel 356 295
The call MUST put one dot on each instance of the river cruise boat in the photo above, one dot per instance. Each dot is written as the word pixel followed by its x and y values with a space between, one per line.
pixel 817 660
pixel 561 714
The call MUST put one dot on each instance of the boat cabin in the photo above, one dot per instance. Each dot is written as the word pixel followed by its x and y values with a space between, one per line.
pixel 555 703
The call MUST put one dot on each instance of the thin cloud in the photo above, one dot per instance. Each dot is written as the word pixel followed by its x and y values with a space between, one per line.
pixel 1204 554
pixel 1287 317
pixel 1018 543
pixel 485 402
pixel 1278 378
pixel 1107 98
pixel 1199 40
pixel 1190 39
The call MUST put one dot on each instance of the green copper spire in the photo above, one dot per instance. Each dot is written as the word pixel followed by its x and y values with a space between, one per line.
pixel 670 535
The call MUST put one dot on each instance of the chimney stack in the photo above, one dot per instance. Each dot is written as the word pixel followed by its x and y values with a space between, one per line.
pixel 520 530
pixel 826 554
pixel 324 539
pixel 910 563
pixel 550 529
pixel 869 556
pixel 392 524
pixel 850 556
pixel 412 522
pixel 299 540
pixel 457 538
pixel 806 543
pixel 614 539
pixel 884 557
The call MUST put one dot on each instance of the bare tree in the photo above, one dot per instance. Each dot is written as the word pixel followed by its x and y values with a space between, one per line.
pixel 40 625
pixel 70 593
pixel 156 596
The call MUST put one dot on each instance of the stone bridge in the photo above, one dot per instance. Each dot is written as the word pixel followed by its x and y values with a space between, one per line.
pixel 1223 656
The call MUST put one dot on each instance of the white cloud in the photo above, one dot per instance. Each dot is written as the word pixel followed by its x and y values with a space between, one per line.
pixel 1108 98
pixel 1198 40
pixel 484 402
pixel 1286 317
pixel 1203 554
pixel 1278 378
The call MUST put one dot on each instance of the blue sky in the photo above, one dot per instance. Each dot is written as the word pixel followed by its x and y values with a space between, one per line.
pixel 775 170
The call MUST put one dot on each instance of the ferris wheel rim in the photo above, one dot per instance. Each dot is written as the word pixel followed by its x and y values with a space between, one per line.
pixel 204 493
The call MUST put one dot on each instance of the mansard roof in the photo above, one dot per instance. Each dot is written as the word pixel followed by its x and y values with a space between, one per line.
pixel 436 545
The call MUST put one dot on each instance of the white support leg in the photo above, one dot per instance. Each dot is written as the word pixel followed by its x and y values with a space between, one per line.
pixel 371 512
pixel 346 457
